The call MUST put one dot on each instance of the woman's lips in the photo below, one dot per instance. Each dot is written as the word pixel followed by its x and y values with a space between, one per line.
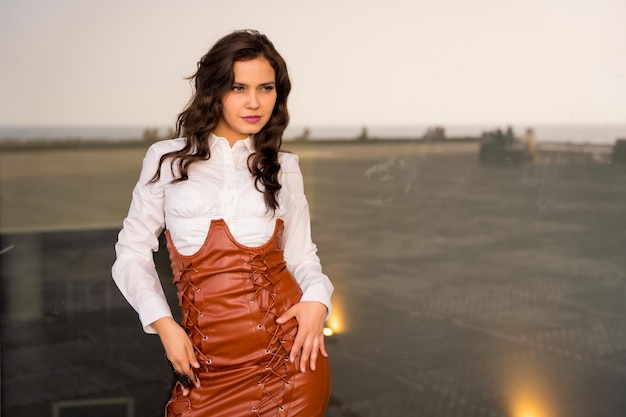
pixel 251 119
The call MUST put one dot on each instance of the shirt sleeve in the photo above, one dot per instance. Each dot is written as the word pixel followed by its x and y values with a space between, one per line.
pixel 300 252
pixel 134 271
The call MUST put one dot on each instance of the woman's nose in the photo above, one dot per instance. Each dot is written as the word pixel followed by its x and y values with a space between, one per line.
pixel 253 100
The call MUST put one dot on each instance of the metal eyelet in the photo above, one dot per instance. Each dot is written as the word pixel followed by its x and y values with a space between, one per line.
pixel 205 338
pixel 259 326
pixel 267 351
pixel 208 361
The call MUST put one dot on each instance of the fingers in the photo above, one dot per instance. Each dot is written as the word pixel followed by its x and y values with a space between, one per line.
pixel 179 351
pixel 180 367
pixel 309 341
pixel 323 350
pixel 306 350
pixel 193 361
pixel 287 315
pixel 191 356
pixel 185 374
pixel 184 362
pixel 296 354
pixel 313 357
pixel 305 355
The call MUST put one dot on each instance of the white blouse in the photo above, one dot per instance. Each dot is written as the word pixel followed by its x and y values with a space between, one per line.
pixel 219 188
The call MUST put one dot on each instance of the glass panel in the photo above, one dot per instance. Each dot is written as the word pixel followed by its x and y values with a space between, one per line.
pixel 463 287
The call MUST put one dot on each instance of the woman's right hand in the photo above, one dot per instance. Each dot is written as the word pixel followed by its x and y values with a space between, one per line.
pixel 178 348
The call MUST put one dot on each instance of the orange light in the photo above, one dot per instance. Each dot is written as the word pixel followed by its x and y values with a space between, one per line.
pixel 335 322
pixel 527 390
pixel 528 407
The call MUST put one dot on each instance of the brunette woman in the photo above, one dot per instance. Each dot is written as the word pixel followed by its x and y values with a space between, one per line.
pixel 250 286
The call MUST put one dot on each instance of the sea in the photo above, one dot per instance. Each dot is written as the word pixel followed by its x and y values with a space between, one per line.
pixel 600 134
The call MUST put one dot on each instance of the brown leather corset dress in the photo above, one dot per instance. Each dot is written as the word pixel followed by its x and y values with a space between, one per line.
pixel 230 296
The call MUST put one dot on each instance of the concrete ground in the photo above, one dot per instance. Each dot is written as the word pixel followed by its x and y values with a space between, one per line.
pixel 461 289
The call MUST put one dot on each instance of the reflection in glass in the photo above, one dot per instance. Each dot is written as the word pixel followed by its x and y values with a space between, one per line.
pixel 462 288
pixel 527 393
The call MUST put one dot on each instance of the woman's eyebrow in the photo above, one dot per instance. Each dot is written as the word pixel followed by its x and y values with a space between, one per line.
pixel 262 84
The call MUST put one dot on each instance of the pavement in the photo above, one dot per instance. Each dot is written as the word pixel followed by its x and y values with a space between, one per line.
pixel 462 289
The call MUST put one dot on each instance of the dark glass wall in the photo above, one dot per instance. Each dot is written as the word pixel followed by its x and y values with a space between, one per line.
pixel 464 287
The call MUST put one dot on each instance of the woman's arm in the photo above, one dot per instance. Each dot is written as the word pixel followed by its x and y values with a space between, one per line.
pixel 134 271
pixel 300 251
pixel 303 262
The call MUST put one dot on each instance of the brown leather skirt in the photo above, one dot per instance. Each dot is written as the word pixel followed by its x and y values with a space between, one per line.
pixel 230 296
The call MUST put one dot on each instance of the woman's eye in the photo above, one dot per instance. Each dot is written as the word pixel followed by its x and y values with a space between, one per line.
pixel 237 88
pixel 268 88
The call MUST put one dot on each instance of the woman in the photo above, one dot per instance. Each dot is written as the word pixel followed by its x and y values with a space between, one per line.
pixel 251 290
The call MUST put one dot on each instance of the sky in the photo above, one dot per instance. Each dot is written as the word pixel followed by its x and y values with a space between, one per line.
pixel 352 62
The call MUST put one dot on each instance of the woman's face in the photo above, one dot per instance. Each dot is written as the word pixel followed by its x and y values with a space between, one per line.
pixel 248 106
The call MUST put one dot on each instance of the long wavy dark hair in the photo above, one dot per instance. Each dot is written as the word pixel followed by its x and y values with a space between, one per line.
pixel 212 81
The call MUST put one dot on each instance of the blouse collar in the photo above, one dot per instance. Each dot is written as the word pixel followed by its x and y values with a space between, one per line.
pixel 247 142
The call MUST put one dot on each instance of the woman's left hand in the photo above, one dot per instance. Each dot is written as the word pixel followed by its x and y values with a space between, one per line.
pixel 310 338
